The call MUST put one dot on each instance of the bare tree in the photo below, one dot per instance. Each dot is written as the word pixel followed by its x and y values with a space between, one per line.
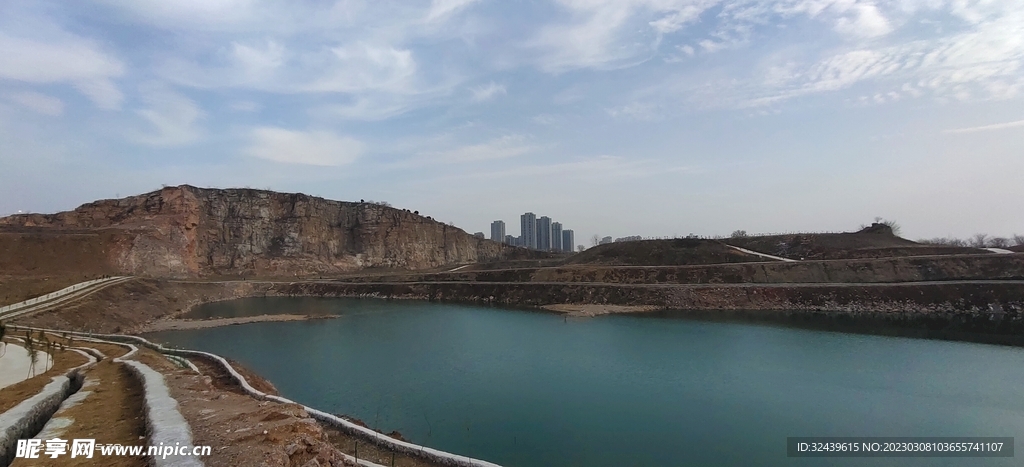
pixel 978 240
pixel 580 248
pixel 892 225
pixel 1018 239
pixel 946 241
pixel 595 240
pixel 998 242
pixel 738 234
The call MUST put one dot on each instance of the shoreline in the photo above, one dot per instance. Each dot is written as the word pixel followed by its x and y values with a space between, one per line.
pixel 189 324
pixel 588 310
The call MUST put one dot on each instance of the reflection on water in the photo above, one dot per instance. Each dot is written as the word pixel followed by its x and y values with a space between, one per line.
pixel 533 389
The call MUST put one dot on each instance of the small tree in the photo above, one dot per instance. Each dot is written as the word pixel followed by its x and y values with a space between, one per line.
pixel 978 240
pixel 30 347
pixel 595 240
pixel 1018 239
pixel 738 234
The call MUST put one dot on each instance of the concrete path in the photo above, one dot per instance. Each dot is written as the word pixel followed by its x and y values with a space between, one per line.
pixel 59 297
pixel 999 250
pixel 763 255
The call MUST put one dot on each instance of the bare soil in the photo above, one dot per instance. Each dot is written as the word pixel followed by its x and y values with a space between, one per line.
pixel 130 306
pixel 680 251
pixel 112 414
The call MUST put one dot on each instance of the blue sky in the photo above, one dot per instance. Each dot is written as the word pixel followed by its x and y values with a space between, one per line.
pixel 624 117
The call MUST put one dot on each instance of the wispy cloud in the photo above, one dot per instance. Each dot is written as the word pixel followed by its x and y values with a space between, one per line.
pixel 172 118
pixel 66 59
pixel 441 9
pixel 38 102
pixel 605 34
pixel 314 147
pixel 487 91
pixel 993 127
pixel 504 147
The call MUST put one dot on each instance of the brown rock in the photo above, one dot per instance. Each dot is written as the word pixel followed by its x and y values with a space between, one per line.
pixel 187 231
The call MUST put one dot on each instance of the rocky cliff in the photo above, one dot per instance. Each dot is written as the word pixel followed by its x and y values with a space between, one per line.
pixel 187 231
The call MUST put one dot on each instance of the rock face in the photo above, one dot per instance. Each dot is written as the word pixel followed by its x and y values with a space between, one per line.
pixel 187 231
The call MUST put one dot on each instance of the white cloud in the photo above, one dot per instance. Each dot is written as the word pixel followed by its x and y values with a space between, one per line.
pixel 38 102
pixel 487 91
pixel 320 148
pixel 505 147
pixel 866 21
pixel 636 111
pixel 440 9
pixel 254 60
pixel 245 106
pixel 172 118
pixel 68 59
pixel 994 127
pixel 362 66
pixel 596 168
pixel 608 34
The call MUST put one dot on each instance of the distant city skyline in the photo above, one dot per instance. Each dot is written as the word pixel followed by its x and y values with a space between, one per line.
pixel 541 233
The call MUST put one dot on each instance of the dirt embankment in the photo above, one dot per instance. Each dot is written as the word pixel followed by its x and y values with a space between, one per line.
pixel 130 306
pixel 993 307
pixel 992 312
pixel 875 241
pixel 674 252
pixel 911 269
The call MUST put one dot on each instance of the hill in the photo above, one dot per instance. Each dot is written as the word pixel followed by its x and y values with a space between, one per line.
pixel 875 241
pixel 672 252
pixel 187 231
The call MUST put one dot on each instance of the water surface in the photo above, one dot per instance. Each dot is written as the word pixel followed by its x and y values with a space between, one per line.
pixel 523 388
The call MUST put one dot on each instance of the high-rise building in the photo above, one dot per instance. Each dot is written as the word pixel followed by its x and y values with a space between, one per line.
pixel 479 235
pixel 498 231
pixel 510 240
pixel 556 236
pixel 568 240
pixel 528 226
pixel 544 233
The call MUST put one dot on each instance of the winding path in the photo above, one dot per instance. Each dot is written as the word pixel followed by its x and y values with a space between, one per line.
pixel 60 297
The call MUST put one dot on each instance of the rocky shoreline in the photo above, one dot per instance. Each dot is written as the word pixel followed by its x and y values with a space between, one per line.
pixel 984 311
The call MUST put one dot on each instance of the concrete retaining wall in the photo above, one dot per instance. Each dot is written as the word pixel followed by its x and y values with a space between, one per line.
pixel 165 424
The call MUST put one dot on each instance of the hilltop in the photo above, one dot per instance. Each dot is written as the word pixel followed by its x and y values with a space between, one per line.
pixel 874 241
pixel 188 232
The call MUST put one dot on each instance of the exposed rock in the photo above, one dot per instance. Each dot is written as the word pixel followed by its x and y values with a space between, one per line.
pixel 187 231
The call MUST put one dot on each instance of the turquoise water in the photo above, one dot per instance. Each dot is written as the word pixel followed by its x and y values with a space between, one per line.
pixel 523 388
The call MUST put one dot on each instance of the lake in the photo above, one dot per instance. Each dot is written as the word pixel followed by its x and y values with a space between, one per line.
pixel 525 388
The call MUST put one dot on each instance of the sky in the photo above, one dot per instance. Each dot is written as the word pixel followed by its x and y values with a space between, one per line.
pixel 613 117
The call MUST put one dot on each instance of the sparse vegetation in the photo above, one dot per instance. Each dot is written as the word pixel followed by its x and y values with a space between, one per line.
pixel 33 356
pixel 977 241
